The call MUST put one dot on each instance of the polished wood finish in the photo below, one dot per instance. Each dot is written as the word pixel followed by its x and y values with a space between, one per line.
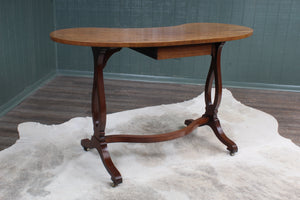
pixel 159 43
pixel 101 56
pixel 158 137
pixel 185 34
pixel 214 74
pixel 100 141
pixel 209 118
pixel 160 53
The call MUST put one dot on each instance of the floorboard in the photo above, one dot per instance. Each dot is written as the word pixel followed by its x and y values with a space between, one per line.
pixel 66 97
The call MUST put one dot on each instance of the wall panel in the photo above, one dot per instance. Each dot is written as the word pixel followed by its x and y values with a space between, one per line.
pixel 27 55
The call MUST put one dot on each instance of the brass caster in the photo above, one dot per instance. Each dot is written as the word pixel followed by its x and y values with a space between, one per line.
pixel 188 122
pixel 113 184
pixel 233 150
pixel 86 149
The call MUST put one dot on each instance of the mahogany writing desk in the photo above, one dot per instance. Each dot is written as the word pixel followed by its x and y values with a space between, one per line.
pixel 185 40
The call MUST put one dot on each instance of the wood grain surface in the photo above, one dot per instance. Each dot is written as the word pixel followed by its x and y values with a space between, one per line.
pixel 185 34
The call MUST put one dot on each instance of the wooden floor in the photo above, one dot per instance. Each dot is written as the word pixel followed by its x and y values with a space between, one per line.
pixel 66 97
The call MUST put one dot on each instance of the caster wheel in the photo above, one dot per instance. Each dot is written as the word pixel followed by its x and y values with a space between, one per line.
pixel 232 150
pixel 188 122
pixel 113 184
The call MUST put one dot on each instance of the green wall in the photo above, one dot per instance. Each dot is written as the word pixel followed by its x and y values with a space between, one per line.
pixel 270 56
pixel 27 56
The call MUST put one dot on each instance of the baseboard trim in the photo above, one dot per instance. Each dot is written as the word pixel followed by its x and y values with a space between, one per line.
pixel 165 79
pixel 135 77
pixel 262 86
pixel 25 93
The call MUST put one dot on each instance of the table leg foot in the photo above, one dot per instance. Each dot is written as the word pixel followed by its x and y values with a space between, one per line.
pixel 105 157
pixel 86 144
pixel 216 127
pixel 188 121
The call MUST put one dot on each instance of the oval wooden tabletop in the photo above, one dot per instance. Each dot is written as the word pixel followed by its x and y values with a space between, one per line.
pixel 185 34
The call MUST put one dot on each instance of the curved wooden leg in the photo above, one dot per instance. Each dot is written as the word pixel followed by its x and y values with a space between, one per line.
pixel 99 140
pixel 211 112
pixel 101 56
pixel 212 107
pixel 216 127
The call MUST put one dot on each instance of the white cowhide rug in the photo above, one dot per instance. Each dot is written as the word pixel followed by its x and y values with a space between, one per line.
pixel 47 162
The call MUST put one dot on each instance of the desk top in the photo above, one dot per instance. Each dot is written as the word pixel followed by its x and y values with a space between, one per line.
pixel 185 34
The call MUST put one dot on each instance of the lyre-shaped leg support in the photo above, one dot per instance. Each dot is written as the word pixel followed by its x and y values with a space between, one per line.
pixel 211 112
pixel 212 106
pixel 101 56
pixel 100 141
